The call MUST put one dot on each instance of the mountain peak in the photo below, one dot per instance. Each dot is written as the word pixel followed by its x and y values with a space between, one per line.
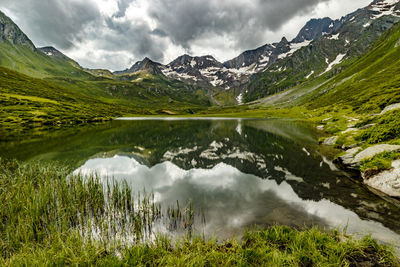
pixel 10 32
pixel 284 40
pixel 146 65
pixel 315 28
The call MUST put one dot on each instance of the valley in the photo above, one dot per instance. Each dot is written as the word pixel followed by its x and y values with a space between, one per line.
pixel 270 141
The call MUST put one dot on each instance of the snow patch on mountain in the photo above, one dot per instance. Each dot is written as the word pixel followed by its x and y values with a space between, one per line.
pixel 384 8
pixel 309 75
pixel 293 48
pixel 334 37
pixel 337 60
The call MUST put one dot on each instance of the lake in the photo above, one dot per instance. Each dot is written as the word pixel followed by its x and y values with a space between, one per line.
pixel 237 173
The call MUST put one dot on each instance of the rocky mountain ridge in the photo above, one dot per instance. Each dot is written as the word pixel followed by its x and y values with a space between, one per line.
pixel 332 37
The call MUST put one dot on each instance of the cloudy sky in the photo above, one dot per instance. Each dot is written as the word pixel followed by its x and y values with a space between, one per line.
pixel 114 34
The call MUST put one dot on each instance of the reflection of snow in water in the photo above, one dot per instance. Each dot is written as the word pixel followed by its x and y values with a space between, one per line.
pixel 233 200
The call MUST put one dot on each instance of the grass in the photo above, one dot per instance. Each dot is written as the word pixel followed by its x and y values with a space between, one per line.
pixel 380 162
pixel 386 128
pixel 52 218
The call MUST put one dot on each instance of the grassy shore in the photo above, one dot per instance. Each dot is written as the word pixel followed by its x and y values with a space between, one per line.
pixel 51 218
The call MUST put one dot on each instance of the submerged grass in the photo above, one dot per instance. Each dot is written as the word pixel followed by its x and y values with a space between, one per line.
pixel 51 218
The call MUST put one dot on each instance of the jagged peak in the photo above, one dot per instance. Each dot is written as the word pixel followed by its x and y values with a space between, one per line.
pixel 9 31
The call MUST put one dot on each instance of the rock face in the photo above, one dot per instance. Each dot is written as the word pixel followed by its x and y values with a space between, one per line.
pixel 315 28
pixel 10 32
pixel 387 182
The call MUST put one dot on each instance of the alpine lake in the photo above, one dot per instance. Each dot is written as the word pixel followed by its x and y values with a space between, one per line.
pixel 235 174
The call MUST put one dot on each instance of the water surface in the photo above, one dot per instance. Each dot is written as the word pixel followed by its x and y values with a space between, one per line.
pixel 240 173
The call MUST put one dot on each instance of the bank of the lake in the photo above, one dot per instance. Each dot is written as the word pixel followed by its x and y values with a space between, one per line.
pixel 46 211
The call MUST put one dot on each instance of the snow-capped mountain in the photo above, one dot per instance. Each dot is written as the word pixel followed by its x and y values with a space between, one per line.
pixel 206 70
pixel 349 37
pixel 327 42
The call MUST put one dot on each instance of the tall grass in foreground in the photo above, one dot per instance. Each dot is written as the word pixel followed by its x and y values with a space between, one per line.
pixel 50 218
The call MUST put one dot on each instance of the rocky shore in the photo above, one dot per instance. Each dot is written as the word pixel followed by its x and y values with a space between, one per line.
pixel 387 181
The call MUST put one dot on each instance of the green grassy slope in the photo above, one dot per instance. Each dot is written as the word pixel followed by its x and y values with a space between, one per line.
pixel 25 100
pixel 35 63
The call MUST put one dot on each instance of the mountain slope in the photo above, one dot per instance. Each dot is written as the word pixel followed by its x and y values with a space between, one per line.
pixel 366 85
pixel 146 65
pixel 147 90
pixel 359 30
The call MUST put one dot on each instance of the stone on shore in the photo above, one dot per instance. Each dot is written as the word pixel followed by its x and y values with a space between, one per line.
pixel 388 181
pixel 330 141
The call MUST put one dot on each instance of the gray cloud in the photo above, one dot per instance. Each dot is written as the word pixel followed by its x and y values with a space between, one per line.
pixel 136 38
pixel 122 7
pixel 159 27
pixel 57 22
pixel 184 21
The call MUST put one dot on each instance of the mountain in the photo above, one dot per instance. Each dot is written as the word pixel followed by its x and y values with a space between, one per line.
pixel 17 52
pixel 146 65
pixel 357 32
pixel 315 28
pixel 54 53
pixel 10 32
pixel 367 85
pixel 319 46
pixel 46 69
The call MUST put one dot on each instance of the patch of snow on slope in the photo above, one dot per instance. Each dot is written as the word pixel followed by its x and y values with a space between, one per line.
pixel 366 25
pixel 385 8
pixel 293 48
pixel 244 70
pixel 334 37
pixel 239 98
pixel 309 75
pixel 338 59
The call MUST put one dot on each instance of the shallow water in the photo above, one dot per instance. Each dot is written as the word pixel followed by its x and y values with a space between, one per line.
pixel 240 173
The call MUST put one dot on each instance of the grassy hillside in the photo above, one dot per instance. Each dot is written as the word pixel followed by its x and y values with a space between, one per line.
pixel 35 63
pixel 25 100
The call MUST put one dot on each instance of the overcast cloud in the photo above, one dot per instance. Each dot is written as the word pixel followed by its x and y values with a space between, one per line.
pixel 114 34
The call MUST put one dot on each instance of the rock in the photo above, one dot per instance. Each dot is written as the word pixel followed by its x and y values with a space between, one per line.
pixel 347 160
pixel 390 108
pixel 344 147
pixel 367 126
pixel 327 119
pixel 388 181
pixel 374 150
pixel 330 141
pixel 320 127
pixel 350 130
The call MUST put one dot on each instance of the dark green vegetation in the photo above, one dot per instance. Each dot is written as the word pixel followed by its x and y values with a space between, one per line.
pixel 46 216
